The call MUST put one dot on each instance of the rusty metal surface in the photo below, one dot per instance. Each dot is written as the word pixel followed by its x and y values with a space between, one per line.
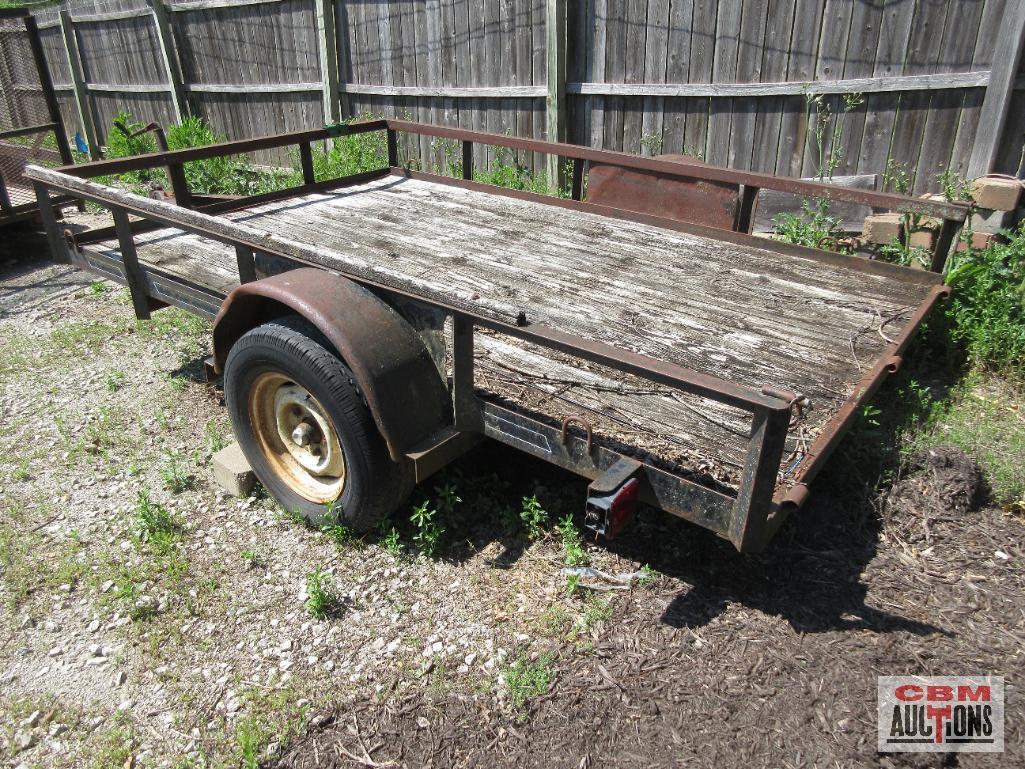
pixel 685 199
pixel 953 211
pixel 890 201
pixel 393 369
pixel 671 493
pixel 789 500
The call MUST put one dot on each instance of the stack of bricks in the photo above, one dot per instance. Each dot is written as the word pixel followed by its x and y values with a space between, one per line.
pixel 996 207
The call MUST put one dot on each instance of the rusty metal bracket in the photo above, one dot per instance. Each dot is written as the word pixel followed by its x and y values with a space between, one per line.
pixel 582 421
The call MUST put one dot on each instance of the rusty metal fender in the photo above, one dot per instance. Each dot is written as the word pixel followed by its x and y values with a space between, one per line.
pixel 390 362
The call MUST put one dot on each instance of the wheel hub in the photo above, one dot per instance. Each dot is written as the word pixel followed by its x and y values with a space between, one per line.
pixel 297 437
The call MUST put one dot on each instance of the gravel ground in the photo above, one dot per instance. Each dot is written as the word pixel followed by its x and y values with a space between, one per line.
pixel 188 643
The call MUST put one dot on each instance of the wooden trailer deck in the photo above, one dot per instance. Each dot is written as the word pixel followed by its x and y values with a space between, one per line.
pixel 747 314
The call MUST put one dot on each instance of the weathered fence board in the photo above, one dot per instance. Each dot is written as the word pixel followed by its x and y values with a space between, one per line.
pixel 900 82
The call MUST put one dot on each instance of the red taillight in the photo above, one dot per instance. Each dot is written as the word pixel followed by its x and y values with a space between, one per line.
pixel 609 515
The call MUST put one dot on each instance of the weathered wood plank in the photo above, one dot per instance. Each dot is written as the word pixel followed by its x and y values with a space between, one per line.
pixel 655 66
pixel 724 70
pixel 753 24
pixel 793 130
pixel 678 55
pixel 779 30
pixel 993 117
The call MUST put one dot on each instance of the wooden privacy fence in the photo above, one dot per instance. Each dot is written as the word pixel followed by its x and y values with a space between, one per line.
pixel 925 84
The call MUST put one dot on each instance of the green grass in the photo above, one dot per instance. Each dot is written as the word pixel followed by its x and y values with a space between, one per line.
pixel 984 416
pixel 527 680
pixel 154 525
pixel 270 716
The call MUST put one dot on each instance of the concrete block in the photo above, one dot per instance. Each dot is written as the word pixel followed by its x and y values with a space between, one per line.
pixel 996 193
pixel 884 228
pixel 232 471
pixel 988 220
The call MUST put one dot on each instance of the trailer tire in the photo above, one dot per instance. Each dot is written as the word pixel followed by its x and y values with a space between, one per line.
pixel 282 376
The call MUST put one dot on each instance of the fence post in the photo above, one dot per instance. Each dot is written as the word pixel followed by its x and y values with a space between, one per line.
pixel 993 114
pixel 49 95
pixel 85 113
pixel 169 55
pixel 555 104
pixel 327 35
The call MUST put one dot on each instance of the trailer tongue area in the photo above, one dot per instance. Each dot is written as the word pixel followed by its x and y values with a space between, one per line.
pixel 706 371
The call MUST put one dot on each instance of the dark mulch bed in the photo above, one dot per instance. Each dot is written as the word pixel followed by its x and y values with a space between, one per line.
pixel 767 660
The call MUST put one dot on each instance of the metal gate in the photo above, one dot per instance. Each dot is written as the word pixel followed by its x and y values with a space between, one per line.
pixel 31 129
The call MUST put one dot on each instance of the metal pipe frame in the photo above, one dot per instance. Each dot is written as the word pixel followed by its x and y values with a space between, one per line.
pixel 747 518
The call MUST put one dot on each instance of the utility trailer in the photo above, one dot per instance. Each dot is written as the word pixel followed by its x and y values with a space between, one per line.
pixel 373 328
pixel 31 127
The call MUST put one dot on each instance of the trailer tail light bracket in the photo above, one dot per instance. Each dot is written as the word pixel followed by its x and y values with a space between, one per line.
pixel 612 498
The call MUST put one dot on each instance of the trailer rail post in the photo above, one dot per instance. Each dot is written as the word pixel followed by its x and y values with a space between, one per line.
pixel 465 408
pixel 754 497
pixel 49 220
pixel 468 160
pixel 306 162
pixel 246 258
pixel 133 273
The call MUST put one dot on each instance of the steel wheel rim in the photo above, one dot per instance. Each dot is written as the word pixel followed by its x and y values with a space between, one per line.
pixel 297 438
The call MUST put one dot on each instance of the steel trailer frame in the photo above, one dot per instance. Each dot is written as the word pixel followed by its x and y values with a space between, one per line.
pixel 10 213
pixel 748 519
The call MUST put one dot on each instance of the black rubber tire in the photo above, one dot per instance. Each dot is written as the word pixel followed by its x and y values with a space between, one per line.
pixel 375 485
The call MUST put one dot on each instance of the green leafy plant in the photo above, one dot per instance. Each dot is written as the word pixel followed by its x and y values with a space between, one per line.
pixel 649 575
pixel 353 154
pixel 813 227
pixel 428 528
pixel 333 526
pixel 572 543
pixel 154 525
pixel 121 144
pixel 896 177
pixel 902 252
pixel 391 542
pixel 114 380
pixel 223 175
pixel 174 474
pixel 213 437
pixel 572 584
pixel 533 517
pixel 321 596
pixel 448 499
pixel 954 187
pixel 987 309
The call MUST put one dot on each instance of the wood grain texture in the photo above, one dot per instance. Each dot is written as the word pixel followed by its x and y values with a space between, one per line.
pixel 723 79
pixel 736 311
